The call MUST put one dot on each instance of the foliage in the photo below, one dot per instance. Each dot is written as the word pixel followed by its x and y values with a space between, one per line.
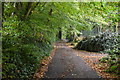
pixel 22 51
pixel 116 48
pixel 114 63
pixel 24 45
pixel 100 42
pixel 30 28
pixel 114 58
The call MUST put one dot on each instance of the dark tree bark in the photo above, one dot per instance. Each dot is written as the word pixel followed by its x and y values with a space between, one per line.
pixel 31 6
pixel 60 33
pixel 28 9
pixel 19 10
pixel 24 11
pixel 1 12
pixel 36 4
pixel 119 28
pixel 50 13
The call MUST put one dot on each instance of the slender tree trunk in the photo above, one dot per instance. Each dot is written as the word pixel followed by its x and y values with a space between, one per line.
pixel 60 33
pixel 118 27
pixel 1 12
pixel 28 9
pixel 50 14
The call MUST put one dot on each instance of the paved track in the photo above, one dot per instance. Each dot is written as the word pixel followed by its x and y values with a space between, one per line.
pixel 65 64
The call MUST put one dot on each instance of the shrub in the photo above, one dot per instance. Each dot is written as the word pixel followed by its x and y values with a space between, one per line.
pixel 101 42
pixel 116 47
pixel 114 63
pixel 22 52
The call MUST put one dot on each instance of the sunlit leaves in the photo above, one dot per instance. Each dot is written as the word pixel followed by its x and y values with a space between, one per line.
pixel 30 28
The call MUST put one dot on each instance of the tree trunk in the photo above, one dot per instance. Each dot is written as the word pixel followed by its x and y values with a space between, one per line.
pixel 28 9
pixel 60 33
pixel 1 12
pixel 118 27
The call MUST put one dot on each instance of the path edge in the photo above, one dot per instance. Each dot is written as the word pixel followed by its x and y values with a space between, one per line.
pixel 44 64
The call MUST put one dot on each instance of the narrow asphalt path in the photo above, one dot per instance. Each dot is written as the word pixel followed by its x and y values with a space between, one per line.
pixel 66 64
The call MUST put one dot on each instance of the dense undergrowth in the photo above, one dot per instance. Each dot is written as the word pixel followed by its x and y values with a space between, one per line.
pixel 113 59
pixel 30 28
pixel 25 40
pixel 100 42
pixel 22 50
pixel 106 43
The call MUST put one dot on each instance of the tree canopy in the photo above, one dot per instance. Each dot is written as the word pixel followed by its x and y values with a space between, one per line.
pixel 30 28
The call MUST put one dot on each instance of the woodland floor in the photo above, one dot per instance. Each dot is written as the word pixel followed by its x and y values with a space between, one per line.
pixel 66 62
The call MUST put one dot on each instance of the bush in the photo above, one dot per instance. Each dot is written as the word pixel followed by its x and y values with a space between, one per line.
pixel 101 42
pixel 114 63
pixel 116 48
pixel 114 58
pixel 22 51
